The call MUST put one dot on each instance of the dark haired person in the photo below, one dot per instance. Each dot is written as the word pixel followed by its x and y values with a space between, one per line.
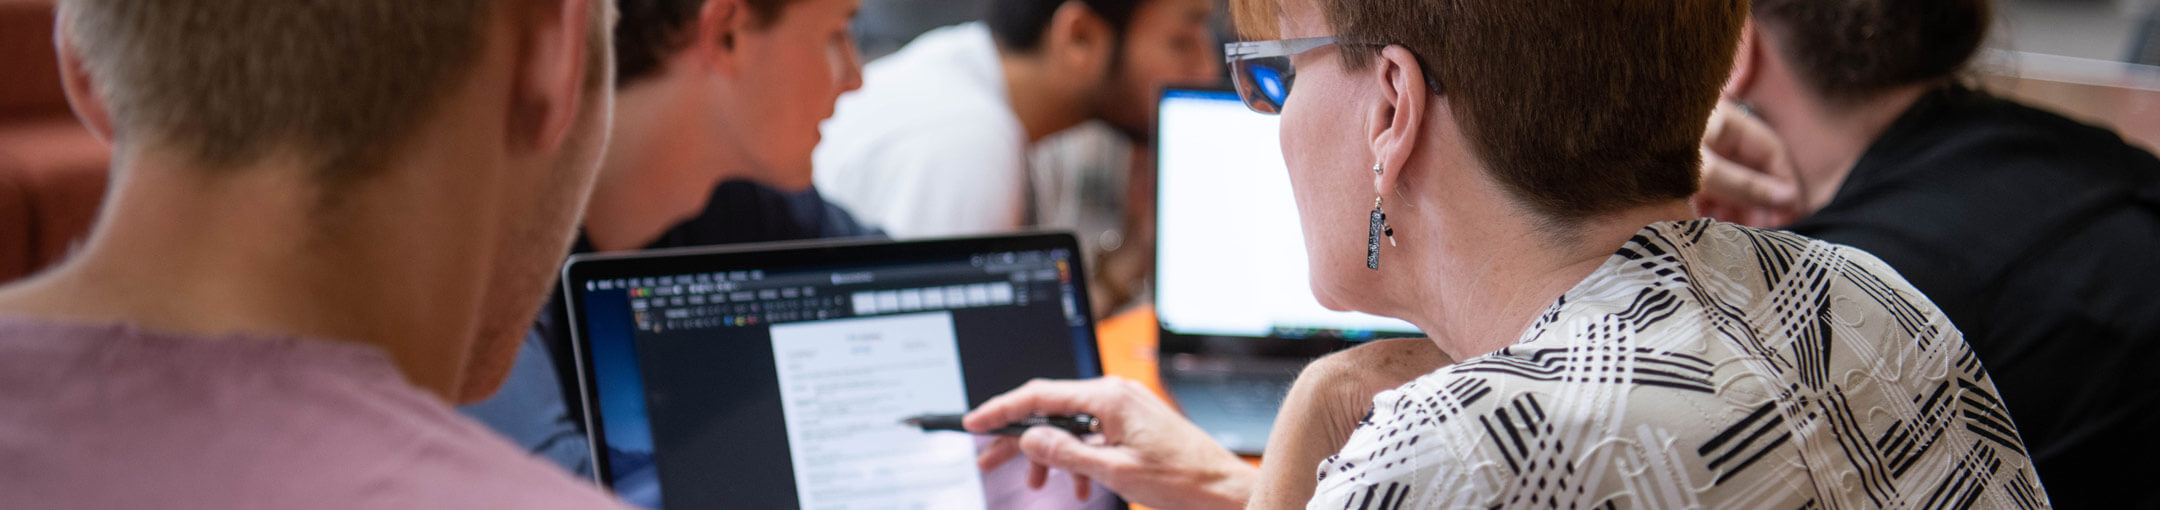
pixel 717 108
pixel 1522 197
pixel 2034 233
pixel 937 140
pixel 328 221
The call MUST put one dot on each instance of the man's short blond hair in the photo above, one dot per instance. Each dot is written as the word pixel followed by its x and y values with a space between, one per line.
pixel 228 81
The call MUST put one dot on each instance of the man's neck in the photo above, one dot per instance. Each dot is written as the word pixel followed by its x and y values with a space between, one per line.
pixel 1044 102
pixel 217 251
pixel 1826 140
pixel 658 136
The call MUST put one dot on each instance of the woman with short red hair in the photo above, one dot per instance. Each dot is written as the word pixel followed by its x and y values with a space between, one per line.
pixel 1512 176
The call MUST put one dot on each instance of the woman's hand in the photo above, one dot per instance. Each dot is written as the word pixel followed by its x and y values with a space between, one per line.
pixel 1146 451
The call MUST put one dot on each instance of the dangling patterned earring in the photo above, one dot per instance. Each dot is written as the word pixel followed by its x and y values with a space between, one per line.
pixel 1378 226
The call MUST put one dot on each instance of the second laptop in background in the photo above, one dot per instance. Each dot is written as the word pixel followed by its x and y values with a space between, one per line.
pixel 1237 315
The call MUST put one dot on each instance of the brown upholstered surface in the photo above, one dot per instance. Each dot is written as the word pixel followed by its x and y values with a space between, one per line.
pixel 26 58
pixel 63 169
pixel 14 217
pixel 52 171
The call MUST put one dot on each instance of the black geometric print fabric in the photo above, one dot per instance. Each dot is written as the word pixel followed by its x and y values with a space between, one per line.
pixel 1704 364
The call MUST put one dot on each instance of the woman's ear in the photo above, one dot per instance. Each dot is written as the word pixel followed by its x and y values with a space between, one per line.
pixel 1745 62
pixel 80 86
pixel 1397 116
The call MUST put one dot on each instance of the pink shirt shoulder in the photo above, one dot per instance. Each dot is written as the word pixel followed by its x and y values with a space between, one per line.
pixel 113 417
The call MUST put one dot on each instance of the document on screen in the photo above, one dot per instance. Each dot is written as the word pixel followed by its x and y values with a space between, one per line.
pixel 845 386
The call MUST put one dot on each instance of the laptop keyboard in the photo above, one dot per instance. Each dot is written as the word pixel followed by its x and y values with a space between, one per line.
pixel 1238 410
pixel 1253 396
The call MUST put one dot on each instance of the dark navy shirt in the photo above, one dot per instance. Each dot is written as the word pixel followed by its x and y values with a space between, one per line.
pixel 2039 237
pixel 534 408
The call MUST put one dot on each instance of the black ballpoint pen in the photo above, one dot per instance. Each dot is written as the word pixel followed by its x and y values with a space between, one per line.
pixel 1078 424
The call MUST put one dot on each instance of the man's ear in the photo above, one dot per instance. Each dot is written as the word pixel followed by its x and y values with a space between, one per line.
pixel 550 73
pixel 1079 40
pixel 720 25
pixel 1745 63
pixel 1396 118
pixel 80 86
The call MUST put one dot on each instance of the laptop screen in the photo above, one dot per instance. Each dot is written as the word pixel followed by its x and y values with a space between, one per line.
pixel 1230 259
pixel 778 378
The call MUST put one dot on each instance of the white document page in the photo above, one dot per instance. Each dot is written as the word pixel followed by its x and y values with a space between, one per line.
pixel 845 386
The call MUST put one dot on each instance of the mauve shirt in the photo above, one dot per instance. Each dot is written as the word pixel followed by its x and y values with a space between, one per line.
pixel 108 416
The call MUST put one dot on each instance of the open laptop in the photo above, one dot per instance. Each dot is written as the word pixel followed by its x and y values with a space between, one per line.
pixel 777 376
pixel 1237 314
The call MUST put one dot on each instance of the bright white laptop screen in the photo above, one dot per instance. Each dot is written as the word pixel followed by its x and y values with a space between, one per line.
pixel 1231 257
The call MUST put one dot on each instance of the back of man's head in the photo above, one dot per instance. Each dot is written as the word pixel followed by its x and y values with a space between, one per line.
pixel 342 91
pixel 1020 25
pixel 226 82
pixel 1852 50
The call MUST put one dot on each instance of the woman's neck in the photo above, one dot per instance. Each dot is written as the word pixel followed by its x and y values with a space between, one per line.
pixel 1491 274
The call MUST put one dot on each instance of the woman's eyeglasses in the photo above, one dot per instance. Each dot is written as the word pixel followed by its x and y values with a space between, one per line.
pixel 1263 74
pixel 1262 70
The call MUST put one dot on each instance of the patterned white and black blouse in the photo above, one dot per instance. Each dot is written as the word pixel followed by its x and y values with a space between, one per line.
pixel 1705 364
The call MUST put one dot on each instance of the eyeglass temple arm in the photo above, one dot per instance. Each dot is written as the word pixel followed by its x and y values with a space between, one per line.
pixel 1233 52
